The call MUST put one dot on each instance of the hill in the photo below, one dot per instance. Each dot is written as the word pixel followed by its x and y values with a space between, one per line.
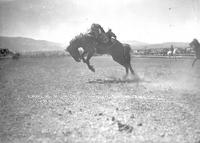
pixel 22 45
pixel 164 45
pixel 135 44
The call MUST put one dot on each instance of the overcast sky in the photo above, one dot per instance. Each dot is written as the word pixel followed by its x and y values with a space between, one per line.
pixel 151 21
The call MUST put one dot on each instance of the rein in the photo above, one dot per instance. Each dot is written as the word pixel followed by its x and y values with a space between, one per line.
pixel 112 45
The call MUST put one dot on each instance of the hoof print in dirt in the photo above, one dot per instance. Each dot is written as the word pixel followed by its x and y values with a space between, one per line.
pixel 70 112
pixel 132 116
pixel 113 118
pixel 162 135
pixel 125 127
pixel 67 133
pixel 198 141
pixel 100 114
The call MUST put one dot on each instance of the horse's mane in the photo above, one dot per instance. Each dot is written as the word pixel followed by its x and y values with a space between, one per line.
pixel 81 37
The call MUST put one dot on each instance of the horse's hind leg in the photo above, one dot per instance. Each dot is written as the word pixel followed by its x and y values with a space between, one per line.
pixel 170 58
pixel 175 57
pixel 194 62
pixel 125 76
pixel 131 69
pixel 88 62
pixel 135 76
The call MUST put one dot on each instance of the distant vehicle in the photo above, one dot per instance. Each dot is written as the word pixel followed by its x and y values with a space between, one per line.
pixel 6 53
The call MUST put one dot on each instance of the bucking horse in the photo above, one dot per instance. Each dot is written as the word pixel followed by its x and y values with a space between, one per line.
pixel 121 53
pixel 196 46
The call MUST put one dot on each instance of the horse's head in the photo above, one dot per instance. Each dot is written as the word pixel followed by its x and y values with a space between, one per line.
pixel 194 43
pixel 111 34
pixel 73 50
pixel 79 41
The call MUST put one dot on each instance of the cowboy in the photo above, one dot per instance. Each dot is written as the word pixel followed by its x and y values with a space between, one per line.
pixel 172 48
pixel 98 32
pixel 111 35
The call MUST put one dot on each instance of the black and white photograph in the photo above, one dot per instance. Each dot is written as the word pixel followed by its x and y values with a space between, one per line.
pixel 99 71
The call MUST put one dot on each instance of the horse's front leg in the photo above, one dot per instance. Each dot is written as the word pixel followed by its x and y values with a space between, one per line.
pixel 83 56
pixel 90 54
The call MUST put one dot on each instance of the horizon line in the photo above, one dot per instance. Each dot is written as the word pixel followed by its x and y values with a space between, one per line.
pixel 144 43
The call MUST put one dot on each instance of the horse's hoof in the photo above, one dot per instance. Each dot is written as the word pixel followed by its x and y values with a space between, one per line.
pixel 92 69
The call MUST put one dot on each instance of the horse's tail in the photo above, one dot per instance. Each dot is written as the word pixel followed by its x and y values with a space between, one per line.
pixel 127 52
pixel 128 48
pixel 131 51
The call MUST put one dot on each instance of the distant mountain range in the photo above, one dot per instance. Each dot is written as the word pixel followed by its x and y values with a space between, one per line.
pixel 166 45
pixel 142 45
pixel 21 44
pixel 134 43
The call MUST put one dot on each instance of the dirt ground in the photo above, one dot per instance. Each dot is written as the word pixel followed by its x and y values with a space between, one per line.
pixel 56 100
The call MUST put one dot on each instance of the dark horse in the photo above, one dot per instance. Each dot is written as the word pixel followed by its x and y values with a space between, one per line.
pixel 196 46
pixel 119 52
